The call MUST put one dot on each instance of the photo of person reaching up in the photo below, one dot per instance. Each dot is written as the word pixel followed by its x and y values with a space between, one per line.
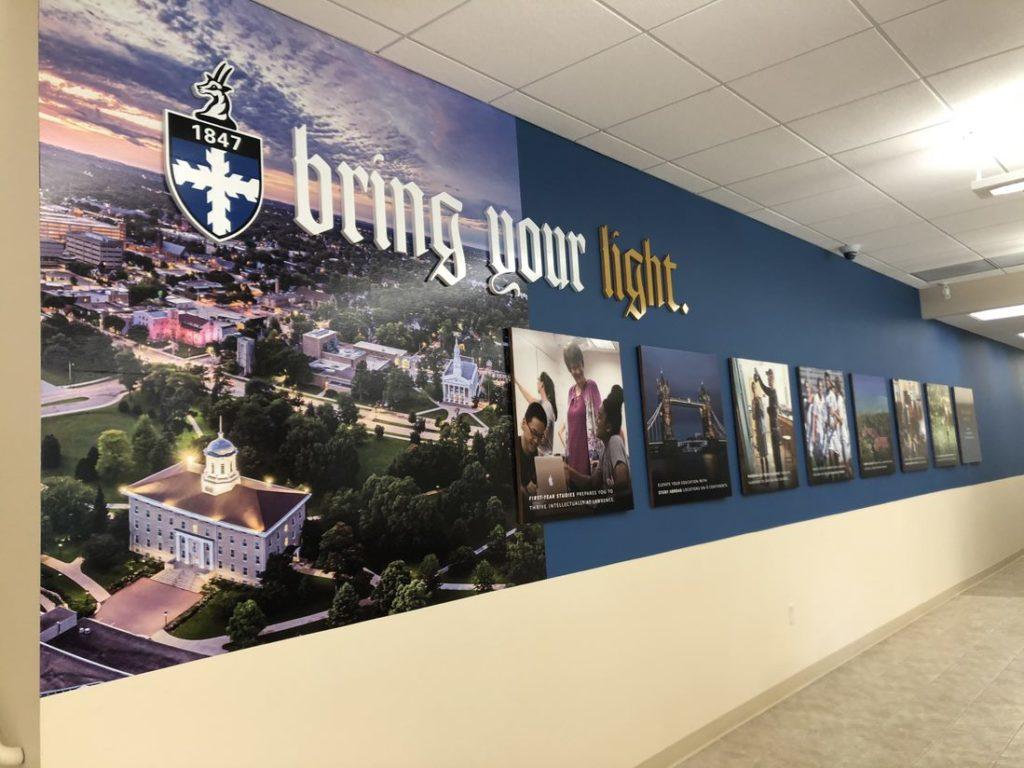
pixel 545 397
pixel 582 445
pixel 612 469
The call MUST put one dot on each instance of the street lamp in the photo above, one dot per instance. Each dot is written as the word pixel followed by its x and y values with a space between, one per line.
pixel 165 619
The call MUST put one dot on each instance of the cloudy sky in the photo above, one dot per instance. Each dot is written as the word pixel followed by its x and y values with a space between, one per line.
pixel 108 69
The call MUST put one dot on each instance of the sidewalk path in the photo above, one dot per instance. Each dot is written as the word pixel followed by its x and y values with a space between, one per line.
pixel 73 571
pixel 214 646
pixel 57 401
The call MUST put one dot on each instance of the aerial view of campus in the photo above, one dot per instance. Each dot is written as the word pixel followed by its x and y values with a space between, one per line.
pixel 277 434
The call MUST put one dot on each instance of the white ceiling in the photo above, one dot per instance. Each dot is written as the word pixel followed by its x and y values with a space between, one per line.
pixel 838 121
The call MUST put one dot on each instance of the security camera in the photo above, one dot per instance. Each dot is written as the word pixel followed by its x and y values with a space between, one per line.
pixel 850 252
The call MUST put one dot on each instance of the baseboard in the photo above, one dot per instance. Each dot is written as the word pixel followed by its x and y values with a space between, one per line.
pixel 673 755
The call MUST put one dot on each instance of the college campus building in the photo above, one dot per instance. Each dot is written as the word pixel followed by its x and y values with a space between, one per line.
pixel 460 382
pixel 57 223
pixel 183 327
pixel 95 249
pixel 213 519
pixel 334 361
pixel 245 354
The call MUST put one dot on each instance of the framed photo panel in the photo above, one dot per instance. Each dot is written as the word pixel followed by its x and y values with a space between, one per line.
pixel 826 425
pixel 684 433
pixel 762 397
pixel 967 425
pixel 873 420
pixel 571 449
pixel 909 398
pixel 945 451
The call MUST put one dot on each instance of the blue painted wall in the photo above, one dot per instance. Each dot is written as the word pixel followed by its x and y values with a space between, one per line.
pixel 754 292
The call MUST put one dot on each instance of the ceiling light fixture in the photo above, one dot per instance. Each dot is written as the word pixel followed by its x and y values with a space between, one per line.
pixel 1003 184
pixel 1000 313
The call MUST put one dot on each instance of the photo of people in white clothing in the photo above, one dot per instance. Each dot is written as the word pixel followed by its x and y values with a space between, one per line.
pixel 826 425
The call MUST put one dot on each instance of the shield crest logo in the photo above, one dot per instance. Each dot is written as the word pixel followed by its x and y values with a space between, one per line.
pixel 213 171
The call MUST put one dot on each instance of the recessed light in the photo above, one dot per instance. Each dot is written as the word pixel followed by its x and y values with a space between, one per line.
pixel 1003 184
pixel 1000 313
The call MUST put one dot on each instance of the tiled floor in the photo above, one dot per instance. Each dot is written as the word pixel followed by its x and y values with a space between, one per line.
pixel 947 691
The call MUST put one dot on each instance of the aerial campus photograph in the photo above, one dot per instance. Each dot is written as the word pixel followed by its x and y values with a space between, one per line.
pixel 282 433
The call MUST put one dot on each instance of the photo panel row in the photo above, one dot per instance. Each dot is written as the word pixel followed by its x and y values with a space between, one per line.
pixel 572 452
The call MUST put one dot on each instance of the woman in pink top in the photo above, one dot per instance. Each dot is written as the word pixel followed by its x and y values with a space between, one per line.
pixel 581 444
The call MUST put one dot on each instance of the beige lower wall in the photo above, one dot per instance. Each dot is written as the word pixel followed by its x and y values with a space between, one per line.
pixel 604 668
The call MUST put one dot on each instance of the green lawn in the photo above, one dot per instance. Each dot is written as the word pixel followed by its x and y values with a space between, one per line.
pixel 430 416
pixel 76 598
pixel 205 623
pixel 108 577
pixel 489 415
pixel 78 432
pixel 57 376
pixel 375 456
pixel 417 401
pixel 68 550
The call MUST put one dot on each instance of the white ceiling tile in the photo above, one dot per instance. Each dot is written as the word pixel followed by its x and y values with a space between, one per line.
pixel 881 116
pixel 651 13
pixel 884 10
pixel 940 137
pixel 603 90
pixel 920 174
pixel 773 219
pixel 795 182
pixel 990 77
pixel 519 41
pixel 750 156
pixel 731 38
pixel 521 105
pixel 938 251
pixel 998 239
pixel 1000 249
pixel 948 201
pixel 621 151
pixel 729 199
pixel 849 227
pixel 337 21
pixel 696 123
pixel 993 212
pixel 901 235
pixel 955 32
pixel 865 260
pixel 936 262
pixel 414 56
pixel 681 177
pixel 827 77
pixel 401 15
pixel 828 205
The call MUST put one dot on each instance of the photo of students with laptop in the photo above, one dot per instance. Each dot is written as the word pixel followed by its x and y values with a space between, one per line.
pixel 574 462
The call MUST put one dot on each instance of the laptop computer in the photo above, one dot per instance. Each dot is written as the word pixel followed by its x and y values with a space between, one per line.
pixel 550 475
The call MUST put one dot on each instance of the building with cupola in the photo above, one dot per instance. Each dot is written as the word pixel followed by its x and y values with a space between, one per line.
pixel 460 382
pixel 211 518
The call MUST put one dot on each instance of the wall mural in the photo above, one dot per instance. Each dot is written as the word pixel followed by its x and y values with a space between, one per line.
pixel 260 419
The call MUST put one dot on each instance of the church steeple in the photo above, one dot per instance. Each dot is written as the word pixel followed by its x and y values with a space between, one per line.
pixel 220 473
pixel 457 357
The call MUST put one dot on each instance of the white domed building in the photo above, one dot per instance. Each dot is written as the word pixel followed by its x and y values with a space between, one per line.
pixel 213 519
